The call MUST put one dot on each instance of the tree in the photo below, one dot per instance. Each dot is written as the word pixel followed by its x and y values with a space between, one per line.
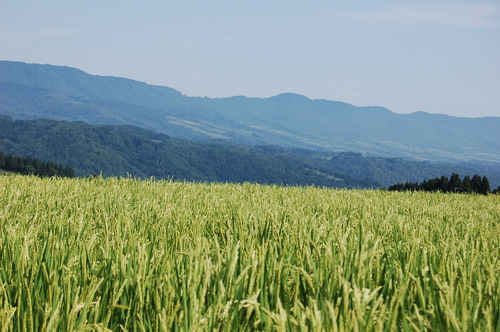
pixel 467 184
pixel 433 185
pixel 396 187
pixel 12 163
pixel 455 184
pixel 476 183
pixel 485 186
pixel 443 184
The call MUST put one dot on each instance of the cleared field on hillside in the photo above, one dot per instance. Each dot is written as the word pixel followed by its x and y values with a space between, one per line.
pixel 123 254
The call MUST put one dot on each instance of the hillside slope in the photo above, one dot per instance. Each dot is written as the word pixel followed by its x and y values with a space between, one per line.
pixel 30 91
pixel 128 150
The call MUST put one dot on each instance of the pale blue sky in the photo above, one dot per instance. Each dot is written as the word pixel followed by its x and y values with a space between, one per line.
pixel 432 56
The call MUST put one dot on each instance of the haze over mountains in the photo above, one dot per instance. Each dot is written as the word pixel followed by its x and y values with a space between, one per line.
pixel 30 91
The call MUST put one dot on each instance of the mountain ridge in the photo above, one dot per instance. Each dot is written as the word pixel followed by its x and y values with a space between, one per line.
pixel 30 91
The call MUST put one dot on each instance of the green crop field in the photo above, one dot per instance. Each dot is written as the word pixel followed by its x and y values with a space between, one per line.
pixel 129 255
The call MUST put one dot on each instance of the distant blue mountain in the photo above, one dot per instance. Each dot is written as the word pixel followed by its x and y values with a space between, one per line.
pixel 29 91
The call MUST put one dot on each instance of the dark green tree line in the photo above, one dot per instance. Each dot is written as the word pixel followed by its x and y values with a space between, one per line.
pixel 33 166
pixel 454 184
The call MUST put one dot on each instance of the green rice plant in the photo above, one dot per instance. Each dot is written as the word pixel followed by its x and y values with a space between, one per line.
pixel 129 255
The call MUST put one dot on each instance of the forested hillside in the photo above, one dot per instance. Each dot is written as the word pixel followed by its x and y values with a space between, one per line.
pixel 126 150
pixel 129 150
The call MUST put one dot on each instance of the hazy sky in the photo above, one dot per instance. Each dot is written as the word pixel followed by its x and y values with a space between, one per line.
pixel 432 56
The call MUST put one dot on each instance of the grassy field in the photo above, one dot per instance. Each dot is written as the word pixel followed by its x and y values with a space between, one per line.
pixel 130 255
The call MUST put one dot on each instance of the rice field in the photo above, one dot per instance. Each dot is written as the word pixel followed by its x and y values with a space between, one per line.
pixel 127 255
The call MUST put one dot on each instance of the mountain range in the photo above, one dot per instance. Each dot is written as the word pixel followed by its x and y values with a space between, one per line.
pixel 31 91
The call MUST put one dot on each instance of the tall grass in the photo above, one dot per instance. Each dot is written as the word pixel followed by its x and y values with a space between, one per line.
pixel 129 255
